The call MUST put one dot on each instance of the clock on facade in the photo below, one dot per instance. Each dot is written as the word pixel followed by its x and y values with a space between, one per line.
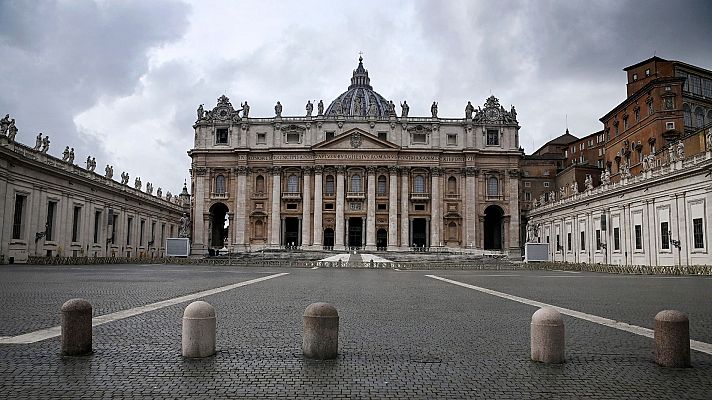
pixel 492 113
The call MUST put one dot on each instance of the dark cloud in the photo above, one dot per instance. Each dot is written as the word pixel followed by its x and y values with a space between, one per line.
pixel 60 58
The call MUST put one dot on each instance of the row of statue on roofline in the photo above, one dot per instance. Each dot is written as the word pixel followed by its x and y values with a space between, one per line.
pixel 675 153
pixel 470 111
pixel 42 143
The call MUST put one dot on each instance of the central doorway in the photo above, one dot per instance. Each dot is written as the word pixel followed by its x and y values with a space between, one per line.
pixel 420 232
pixel 328 237
pixel 381 238
pixel 355 231
pixel 493 227
pixel 291 231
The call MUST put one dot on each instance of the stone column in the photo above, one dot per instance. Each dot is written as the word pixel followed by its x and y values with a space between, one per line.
pixel 371 199
pixel 318 206
pixel 276 206
pixel 393 209
pixel 198 246
pixel 240 211
pixel 513 249
pixel 306 207
pixel 339 231
pixel 405 201
pixel 435 220
pixel 470 212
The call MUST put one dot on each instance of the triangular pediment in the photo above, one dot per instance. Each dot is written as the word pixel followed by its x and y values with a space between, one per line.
pixel 355 139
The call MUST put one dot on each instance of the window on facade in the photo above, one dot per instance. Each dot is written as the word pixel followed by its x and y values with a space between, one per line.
pixel 698 233
pixel 635 77
pixel 329 188
pixel 647 72
pixel 381 187
pixel 291 206
pixel 260 184
pixel 382 207
pixel 153 232
pixel 492 186
pixel 625 123
pixel 220 184
pixel 419 184
pixel 546 184
pixel 221 136
pixel 650 107
pixel 527 184
pixel 452 185
pixel 76 223
pixel 261 138
pixel 115 220
pixel 419 207
pixel 17 227
pixel 664 236
pixel 451 140
pixel 707 88
pixel 669 103
pixel 419 138
pixel 356 183
pixel 687 112
pixel 699 118
pixel 329 135
pixel 140 233
pixel 129 224
pixel 637 115
pixel 638 237
pixel 49 225
pixel 527 196
pixel 452 231
pixel 492 137
pixel 695 84
pixel 568 241
pixel 292 184
pixel 583 240
pixel 328 206
pixel 383 136
pixel 616 238
pixel 558 243
pixel 97 225
pixel 598 239
pixel 163 234
pixel 293 137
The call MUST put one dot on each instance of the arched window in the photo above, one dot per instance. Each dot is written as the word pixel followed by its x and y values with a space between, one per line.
pixel 329 185
pixel 419 184
pixel 381 184
pixel 492 186
pixel 260 184
pixel 292 184
pixel 699 118
pixel 452 231
pixel 220 184
pixel 452 185
pixel 688 114
pixel 356 183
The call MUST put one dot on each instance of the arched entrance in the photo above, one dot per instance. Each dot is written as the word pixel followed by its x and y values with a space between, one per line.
pixel 328 237
pixel 493 227
pixel 381 238
pixel 218 225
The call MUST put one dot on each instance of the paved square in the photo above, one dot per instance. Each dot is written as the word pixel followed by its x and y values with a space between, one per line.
pixel 402 334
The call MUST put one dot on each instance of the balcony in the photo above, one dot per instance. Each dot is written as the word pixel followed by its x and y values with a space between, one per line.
pixel 291 196
pixel 355 195
pixel 420 196
pixel 220 196
pixel 452 196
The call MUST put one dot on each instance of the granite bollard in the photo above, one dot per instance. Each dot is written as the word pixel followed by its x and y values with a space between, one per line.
pixel 76 327
pixel 198 330
pixel 320 339
pixel 672 339
pixel 547 336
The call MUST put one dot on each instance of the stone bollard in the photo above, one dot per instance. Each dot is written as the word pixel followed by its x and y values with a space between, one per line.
pixel 320 340
pixel 198 330
pixel 672 339
pixel 547 336
pixel 76 327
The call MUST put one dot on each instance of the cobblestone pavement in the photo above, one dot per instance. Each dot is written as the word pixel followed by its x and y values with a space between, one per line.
pixel 402 335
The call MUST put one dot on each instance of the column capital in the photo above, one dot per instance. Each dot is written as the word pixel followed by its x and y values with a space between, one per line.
pixel 470 171
pixel 318 169
pixel 200 171
pixel 393 169
pixel 341 169
pixel 436 171
pixel 405 171
pixel 307 170
pixel 275 170
pixel 371 169
pixel 242 170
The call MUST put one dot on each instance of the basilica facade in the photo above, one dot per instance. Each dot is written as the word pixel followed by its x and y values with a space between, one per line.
pixel 354 174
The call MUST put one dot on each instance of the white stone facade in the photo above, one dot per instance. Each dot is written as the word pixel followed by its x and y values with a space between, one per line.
pixel 356 175
pixel 52 207
pixel 659 217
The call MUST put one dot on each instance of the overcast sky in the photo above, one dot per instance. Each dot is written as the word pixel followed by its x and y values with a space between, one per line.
pixel 121 80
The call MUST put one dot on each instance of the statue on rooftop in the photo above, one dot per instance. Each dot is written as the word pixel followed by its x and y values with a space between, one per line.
pixel 574 188
pixel 680 150
pixel 310 108
pixel 708 139
pixel 70 159
pixel 38 142
pixel 4 124
pixel 168 195
pixel 149 187
pixel 65 154
pixel 671 154
pixel 245 109
pixel 12 130
pixel 124 178
pixel 278 110
pixel 405 109
pixel 45 144
pixel 184 229
pixel 137 183
pixel 201 112
pixel 469 109
pixel 108 172
pixel 391 109
pixel 588 182
pixel 320 108
pixel 605 177
pixel 434 109
pixel 159 192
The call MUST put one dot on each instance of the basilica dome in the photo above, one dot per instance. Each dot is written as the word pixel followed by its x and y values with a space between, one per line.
pixel 360 98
